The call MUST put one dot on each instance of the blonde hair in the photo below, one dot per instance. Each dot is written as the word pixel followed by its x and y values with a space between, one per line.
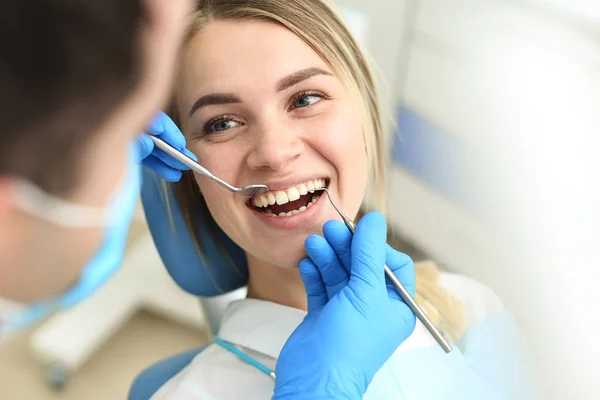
pixel 316 22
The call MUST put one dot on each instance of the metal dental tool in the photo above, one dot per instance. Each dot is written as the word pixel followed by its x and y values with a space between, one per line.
pixel 254 190
pixel 416 309
pixel 249 190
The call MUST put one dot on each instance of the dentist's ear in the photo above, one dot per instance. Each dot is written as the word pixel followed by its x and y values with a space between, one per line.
pixel 10 229
pixel 5 199
pixel 166 17
pixel 161 36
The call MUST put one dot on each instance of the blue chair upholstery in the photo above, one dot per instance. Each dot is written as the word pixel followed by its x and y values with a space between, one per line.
pixel 149 381
pixel 221 269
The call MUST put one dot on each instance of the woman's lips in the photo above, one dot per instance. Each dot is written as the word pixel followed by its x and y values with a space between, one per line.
pixel 295 220
pixel 293 207
pixel 290 201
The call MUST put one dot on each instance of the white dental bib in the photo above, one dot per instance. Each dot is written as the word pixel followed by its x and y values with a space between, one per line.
pixel 418 369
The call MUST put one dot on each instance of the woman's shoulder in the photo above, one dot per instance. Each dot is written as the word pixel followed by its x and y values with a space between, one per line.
pixel 209 376
pixel 479 300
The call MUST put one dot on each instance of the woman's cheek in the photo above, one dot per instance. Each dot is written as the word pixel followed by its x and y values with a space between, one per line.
pixel 340 126
pixel 221 203
pixel 345 149
pixel 214 195
pixel 339 137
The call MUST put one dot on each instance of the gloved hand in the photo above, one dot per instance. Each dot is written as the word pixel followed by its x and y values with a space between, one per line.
pixel 355 320
pixel 152 157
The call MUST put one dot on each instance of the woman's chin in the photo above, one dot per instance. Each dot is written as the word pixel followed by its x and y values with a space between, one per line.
pixel 291 260
pixel 284 254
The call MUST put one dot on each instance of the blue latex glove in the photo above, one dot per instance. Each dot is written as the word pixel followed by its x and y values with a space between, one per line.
pixel 152 157
pixel 355 320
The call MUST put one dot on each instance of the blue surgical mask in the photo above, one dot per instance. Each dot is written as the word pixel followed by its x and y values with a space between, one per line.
pixel 114 219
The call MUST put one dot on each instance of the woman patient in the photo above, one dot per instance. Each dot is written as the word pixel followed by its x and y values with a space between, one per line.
pixel 277 92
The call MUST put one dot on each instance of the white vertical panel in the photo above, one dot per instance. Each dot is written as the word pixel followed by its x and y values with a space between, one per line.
pixel 485 28
pixel 503 77
pixel 386 41
pixel 584 10
pixel 539 79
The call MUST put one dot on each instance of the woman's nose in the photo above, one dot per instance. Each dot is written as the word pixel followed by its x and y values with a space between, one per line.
pixel 274 149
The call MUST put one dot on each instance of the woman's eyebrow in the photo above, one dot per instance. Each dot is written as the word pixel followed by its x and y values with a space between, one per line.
pixel 214 99
pixel 299 76
pixel 229 98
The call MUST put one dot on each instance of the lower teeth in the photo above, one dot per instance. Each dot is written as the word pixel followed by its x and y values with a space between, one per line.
pixel 294 212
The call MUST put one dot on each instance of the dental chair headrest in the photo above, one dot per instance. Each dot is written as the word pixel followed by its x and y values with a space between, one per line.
pixel 210 274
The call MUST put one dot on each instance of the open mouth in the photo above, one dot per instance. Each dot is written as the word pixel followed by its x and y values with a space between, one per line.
pixel 291 201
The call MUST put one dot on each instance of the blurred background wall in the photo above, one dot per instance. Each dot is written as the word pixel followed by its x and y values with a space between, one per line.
pixel 494 120
pixel 495 149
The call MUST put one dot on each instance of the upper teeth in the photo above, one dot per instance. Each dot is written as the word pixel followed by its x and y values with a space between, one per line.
pixel 291 194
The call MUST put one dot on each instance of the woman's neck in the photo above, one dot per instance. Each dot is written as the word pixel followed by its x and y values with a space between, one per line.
pixel 277 284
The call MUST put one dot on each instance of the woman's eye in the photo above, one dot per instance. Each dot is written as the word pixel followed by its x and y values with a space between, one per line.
pixel 221 125
pixel 306 100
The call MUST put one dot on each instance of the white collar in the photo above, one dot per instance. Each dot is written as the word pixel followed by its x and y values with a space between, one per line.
pixel 260 325
pixel 265 326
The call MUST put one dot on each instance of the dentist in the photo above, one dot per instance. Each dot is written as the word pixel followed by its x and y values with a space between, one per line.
pixel 80 80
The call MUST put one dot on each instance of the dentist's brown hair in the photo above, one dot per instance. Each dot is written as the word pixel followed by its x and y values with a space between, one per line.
pixel 65 67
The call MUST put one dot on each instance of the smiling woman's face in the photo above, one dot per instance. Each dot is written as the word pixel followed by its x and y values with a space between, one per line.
pixel 259 106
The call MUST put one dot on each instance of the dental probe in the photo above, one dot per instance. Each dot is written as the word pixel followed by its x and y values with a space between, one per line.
pixel 248 190
pixel 412 304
